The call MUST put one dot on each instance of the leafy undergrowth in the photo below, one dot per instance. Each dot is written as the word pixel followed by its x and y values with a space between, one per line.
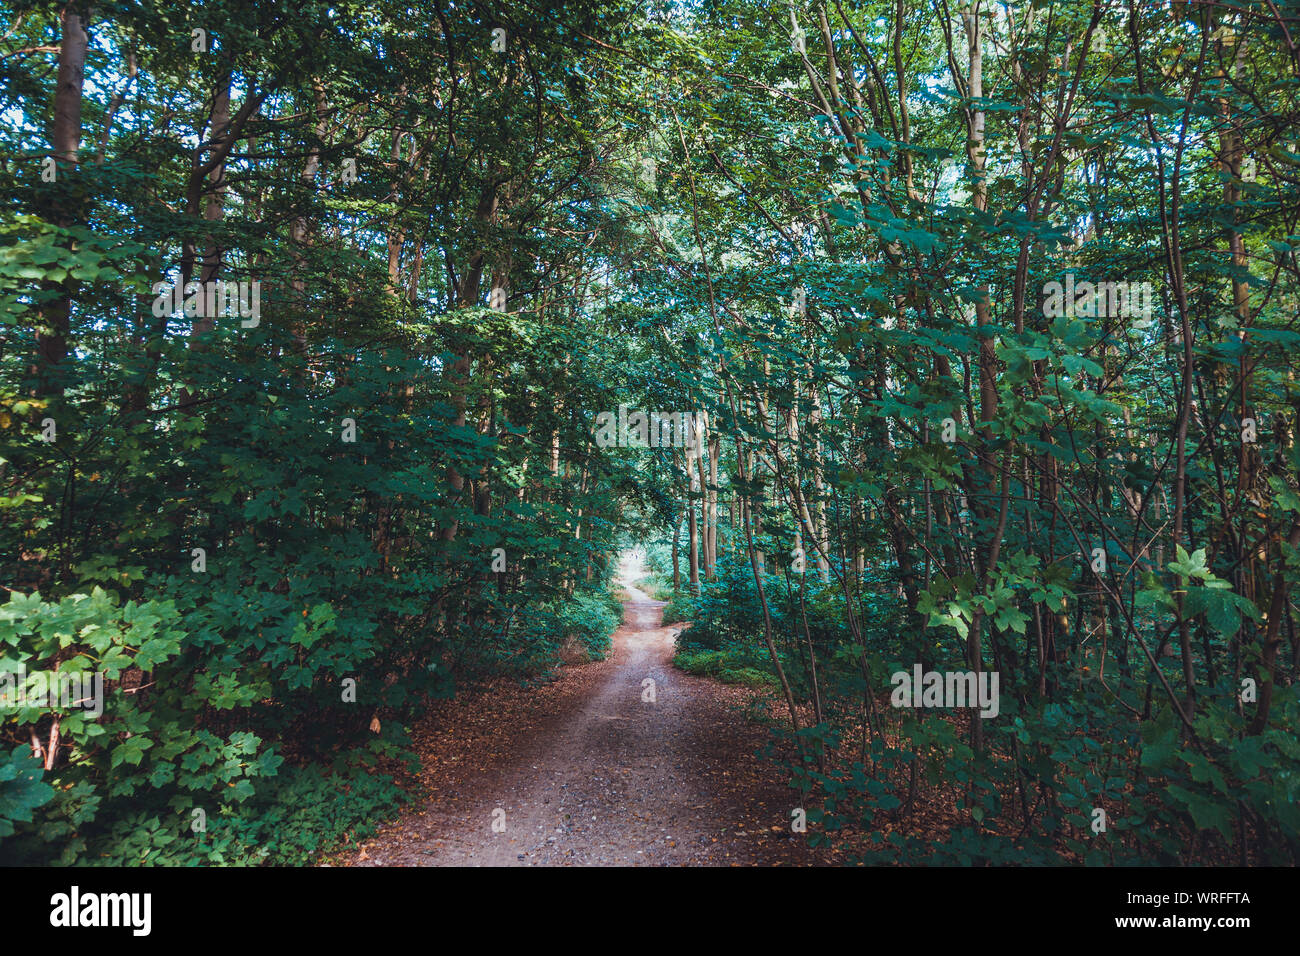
pixel 731 666
pixel 291 818
pixel 182 768
pixel 591 619
pixel 680 607
pixel 656 588
pixel 1065 780
pixel 312 810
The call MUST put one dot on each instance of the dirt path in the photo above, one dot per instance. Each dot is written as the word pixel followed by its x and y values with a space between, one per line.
pixel 586 772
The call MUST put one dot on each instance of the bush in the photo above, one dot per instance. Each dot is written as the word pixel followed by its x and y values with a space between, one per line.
pixel 161 755
pixel 592 616
pixel 731 666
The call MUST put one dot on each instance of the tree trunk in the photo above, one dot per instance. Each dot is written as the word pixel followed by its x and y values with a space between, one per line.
pixel 65 145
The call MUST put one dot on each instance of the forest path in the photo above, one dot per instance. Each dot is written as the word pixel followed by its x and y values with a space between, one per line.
pixel 589 773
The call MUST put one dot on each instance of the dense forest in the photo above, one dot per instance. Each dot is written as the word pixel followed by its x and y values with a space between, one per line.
pixel 346 347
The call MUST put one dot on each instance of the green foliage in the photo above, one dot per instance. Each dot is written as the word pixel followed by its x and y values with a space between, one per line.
pixel 22 791
pixel 735 665
pixel 591 618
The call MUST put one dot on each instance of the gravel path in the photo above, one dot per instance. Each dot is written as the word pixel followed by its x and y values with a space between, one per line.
pixel 585 771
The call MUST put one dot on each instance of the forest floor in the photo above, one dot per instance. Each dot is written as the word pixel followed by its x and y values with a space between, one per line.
pixel 582 771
